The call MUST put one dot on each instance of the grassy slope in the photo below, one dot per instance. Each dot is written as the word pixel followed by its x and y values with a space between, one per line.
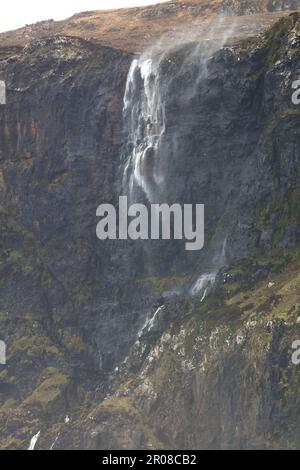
pixel 133 29
pixel 252 329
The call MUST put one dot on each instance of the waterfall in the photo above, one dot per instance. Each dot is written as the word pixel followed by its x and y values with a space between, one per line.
pixel 144 111
pixel 205 282
pixel 150 322
pixel 54 442
pixel 203 285
pixel 144 114
pixel 166 75
pixel 34 440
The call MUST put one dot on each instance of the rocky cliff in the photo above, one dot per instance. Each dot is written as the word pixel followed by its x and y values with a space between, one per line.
pixel 140 345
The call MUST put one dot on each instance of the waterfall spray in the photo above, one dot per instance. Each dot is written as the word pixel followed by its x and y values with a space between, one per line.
pixel 144 113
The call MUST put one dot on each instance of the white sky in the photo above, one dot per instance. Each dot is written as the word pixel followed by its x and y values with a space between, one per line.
pixel 17 13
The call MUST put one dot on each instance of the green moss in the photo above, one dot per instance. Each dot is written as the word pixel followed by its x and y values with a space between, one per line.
pixel 232 288
pixel 33 257
pixel 287 213
pixel 19 262
pixel 8 406
pixel 71 342
pixel 163 284
pixel 11 443
pixel 115 405
pixel 32 346
pixel 276 42
pixel 4 375
pixel 81 294
pixel 122 411
pixel 277 38
pixel 167 363
pixel 283 114
pixel 50 390
pixel 58 179
pixel 249 333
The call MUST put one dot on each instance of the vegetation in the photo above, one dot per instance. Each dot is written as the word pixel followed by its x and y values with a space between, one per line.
pixel 50 391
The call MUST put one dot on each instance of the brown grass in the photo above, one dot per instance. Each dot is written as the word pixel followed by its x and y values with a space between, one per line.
pixel 135 28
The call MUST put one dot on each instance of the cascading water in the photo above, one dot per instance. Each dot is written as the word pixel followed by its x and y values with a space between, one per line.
pixel 206 282
pixel 203 285
pixel 150 321
pixel 34 440
pixel 144 111
pixel 144 115
pixel 151 145
pixel 54 442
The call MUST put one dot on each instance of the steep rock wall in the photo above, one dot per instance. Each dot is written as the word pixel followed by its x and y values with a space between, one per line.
pixel 71 306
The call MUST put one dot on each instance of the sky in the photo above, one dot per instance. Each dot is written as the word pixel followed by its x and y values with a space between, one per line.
pixel 16 13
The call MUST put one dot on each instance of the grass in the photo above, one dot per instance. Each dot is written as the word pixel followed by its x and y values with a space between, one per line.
pixel 32 346
pixel 50 390
pixel 163 284
pixel 132 29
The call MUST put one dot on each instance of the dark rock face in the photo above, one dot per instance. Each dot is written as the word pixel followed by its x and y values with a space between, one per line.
pixel 227 116
pixel 71 306
pixel 61 132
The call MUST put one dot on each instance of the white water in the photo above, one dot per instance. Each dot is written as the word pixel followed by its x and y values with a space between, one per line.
pixel 144 99
pixel 144 112
pixel 220 260
pixel 55 441
pixel 206 281
pixel 203 285
pixel 150 322
pixel 34 440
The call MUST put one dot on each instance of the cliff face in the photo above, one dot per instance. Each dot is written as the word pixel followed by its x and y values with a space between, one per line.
pixel 213 376
pixel 60 142
pixel 203 374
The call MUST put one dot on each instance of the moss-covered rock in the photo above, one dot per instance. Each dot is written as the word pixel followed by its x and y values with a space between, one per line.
pixel 50 394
